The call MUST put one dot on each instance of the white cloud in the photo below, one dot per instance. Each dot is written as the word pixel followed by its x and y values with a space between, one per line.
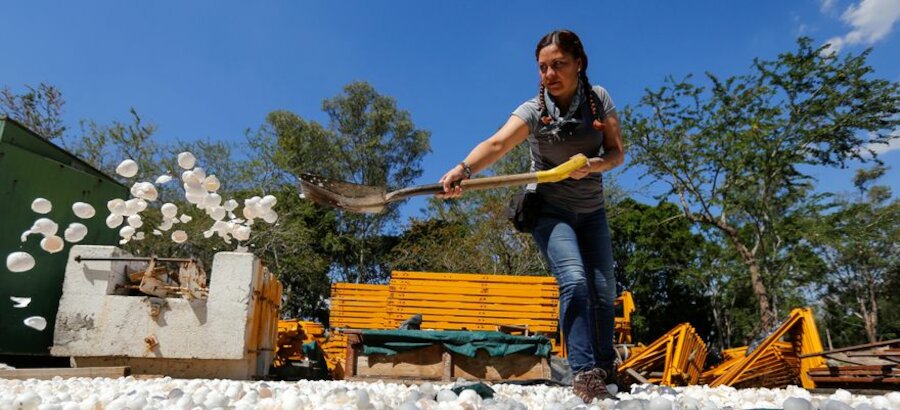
pixel 872 20
pixel 881 149
pixel 836 43
pixel 827 5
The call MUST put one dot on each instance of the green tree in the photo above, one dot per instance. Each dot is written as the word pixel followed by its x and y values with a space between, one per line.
pixel 656 254
pixel 296 248
pixel 39 109
pixel 435 245
pixel 482 240
pixel 105 146
pixel 368 140
pixel 736 154
pixel 723 280
pixel 861 244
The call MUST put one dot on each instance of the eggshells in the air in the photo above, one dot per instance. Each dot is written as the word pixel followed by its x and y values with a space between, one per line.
pixel 169 210
pixel 52 244
pixel 127 168
pixel 83 210
pixel 75 232
pixel 41 206
pixel 36 322
pixel 179 236
pixel 19 262
pixel 186 160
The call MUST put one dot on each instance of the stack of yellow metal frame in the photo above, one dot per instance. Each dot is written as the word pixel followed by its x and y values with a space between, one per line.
pixel 675 359
pixel 266 292
pixel 623 323
pixel 455 301
pixel 730 357
pixel 335 350
pixel 292 335
pixel 360 306
pixel 312 331
pixel 289 346
pixel 779 366
pixel 776 362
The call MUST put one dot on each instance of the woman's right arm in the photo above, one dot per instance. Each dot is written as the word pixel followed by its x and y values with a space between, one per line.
pixel 486 153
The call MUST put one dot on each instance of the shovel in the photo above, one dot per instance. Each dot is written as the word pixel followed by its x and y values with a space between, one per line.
pixel 371 199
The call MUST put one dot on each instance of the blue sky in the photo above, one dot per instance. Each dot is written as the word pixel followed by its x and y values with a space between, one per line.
pixel 212 69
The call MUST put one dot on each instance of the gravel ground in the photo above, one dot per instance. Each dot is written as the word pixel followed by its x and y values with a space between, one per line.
pixel 168 393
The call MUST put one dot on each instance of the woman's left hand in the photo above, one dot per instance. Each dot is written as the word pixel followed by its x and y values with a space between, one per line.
pixel 583 171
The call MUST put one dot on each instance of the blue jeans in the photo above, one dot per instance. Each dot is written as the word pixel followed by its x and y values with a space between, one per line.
pixel 579 250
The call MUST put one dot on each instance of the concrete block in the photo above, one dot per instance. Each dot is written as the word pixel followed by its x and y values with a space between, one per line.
pixel 231 334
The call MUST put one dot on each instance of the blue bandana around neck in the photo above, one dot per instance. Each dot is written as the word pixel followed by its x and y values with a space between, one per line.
pixel 572 117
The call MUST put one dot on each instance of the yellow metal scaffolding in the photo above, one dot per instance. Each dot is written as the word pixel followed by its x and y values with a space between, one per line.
pixel 675 359
pixel 776 362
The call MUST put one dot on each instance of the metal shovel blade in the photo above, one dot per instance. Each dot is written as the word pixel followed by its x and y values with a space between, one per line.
pixel 343 195
pixel 370 199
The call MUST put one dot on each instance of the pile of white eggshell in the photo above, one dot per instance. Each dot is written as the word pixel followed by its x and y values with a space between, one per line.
pixel 165 392
pixel 199 190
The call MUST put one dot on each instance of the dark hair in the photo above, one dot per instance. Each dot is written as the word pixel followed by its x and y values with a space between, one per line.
pixel 568 42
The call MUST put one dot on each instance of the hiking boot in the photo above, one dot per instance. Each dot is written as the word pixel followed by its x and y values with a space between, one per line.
pixel 589 385
pixel 612 376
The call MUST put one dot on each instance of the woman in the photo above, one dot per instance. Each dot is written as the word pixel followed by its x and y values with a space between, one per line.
pixel 568 117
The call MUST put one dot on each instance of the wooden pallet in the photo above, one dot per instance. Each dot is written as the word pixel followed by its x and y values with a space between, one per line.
pixel 434 363
pixel 47 374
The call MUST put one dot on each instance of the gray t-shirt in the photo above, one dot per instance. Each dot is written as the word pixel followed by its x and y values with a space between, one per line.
pixel 566 136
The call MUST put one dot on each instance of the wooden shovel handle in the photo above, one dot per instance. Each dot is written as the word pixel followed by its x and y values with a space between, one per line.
pixel 558 173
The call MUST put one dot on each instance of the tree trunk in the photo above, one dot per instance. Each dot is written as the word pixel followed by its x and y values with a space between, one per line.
pixel 766 318
pixel 871 314
pixel 721 336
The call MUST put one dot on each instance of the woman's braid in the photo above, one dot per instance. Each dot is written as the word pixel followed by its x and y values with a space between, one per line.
pixel 545 115
pixel 586 86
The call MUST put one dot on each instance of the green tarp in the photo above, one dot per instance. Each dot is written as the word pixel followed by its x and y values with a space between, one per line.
pixel 467 343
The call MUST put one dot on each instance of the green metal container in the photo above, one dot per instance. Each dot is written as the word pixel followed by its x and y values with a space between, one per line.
pixel 32 167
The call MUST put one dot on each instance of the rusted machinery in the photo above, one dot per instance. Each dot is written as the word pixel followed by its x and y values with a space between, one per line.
pixel 870 365
pixel 159 278
pixel 293 334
